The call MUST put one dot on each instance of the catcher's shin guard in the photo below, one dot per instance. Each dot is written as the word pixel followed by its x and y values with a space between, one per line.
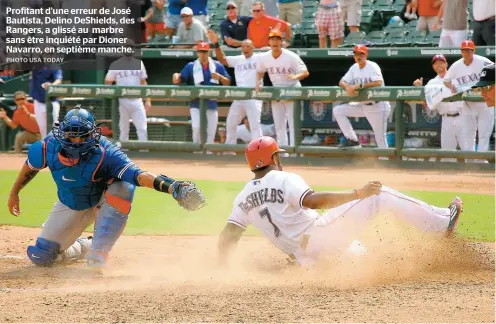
pixel 110 221
pixel 44 253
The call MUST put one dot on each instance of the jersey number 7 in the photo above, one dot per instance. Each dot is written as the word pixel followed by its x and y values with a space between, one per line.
pixel 265 213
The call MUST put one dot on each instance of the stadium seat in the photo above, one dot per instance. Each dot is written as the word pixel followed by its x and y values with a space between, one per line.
pixel 353 39
pixel 367 3
pixel 377 21
pixel 394 26
pixel 386 8
pixel 376 37
pixel 211 7
pixel 398 5
pixel 410 26
pixel 310 34
pixel 399 40
pixel 310 4
pixel 417 37
pixel 367 20
pixel 297 39
pixel 432 38
pixel 309 15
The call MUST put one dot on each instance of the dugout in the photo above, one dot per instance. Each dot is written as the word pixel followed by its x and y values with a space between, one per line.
pixel 400 66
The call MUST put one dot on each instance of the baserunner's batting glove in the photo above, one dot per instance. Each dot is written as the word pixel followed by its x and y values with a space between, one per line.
pixel 188 195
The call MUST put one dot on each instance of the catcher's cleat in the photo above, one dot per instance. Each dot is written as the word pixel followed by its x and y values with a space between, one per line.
pixel 348 143
pixel 456 208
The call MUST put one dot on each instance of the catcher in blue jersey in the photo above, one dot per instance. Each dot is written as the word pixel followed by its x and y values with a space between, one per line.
pixel 95 182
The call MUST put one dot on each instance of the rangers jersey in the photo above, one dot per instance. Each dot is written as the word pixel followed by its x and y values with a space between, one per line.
pixel 273 204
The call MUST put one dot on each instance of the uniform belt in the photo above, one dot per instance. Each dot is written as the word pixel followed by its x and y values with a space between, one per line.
pixel 369 103
pixel 451 115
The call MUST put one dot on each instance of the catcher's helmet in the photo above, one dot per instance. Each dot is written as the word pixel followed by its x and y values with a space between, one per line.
pixel 260 150
pixel 77 123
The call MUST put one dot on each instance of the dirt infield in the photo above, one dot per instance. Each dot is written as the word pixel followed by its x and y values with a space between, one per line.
pixel 404 277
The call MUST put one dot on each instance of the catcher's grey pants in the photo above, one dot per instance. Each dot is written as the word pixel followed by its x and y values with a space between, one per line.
pixel 65 225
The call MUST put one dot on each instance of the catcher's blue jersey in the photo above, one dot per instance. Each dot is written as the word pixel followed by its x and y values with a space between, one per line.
pixel 80 186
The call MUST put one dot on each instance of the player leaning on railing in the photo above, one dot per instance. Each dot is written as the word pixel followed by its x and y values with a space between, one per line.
pixel 486 85
pixel 95 181
pixel 478 118
pixel 363 74
pixel 452 121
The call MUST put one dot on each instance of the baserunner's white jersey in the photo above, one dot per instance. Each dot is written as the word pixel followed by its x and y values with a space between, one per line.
pixel 245 69
pixel 273 204
pixel 278 68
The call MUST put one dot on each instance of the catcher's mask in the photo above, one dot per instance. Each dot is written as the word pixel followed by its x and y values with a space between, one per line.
pixel 77 133
pixel 260 150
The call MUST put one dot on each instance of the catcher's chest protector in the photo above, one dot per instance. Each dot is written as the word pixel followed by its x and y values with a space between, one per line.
pixel 76 186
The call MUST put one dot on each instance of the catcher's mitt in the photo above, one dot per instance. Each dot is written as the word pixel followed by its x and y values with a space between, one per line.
pixel 188 195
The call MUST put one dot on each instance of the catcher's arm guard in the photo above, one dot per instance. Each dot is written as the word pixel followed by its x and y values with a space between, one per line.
pixel 185 193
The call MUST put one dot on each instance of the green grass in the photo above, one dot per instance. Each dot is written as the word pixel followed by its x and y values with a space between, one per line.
pixel 157 213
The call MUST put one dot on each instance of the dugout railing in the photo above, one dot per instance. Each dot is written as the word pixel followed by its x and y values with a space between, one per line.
pixel 332 53
pixel 325 94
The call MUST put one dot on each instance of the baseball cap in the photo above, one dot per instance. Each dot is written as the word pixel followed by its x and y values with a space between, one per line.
pixel 231 4
pixel 187 11
pixel 203 46
pixel 275 33
pixel 468 44
pixel 486 77
pixel 438 57
pixel 361 49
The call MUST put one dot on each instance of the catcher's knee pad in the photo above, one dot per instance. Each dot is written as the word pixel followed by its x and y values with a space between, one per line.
pixel 44 253
pixel 111 220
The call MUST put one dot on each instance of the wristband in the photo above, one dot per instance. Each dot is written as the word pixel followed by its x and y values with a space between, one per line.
pixel 216 45
pixel 162 183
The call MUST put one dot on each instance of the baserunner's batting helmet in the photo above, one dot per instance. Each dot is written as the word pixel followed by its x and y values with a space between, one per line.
pixel 260 150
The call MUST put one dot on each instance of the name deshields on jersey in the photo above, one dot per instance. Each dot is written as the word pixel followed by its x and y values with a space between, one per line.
pixel 257 198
